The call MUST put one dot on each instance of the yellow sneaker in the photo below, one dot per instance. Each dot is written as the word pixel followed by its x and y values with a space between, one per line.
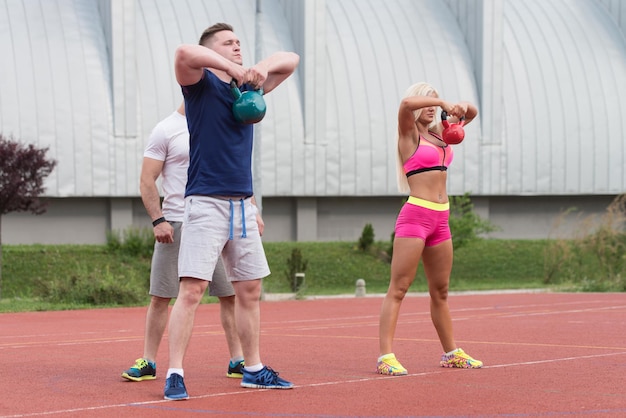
pixel 460 359
pixel 388 365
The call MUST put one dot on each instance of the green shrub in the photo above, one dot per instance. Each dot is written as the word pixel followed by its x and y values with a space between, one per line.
pixel 595 259
pixel 136 242
pixel 465 224
pixel 90 288
pixel 390 246
pixel 295 264
pixel 114 241
pixel 367 238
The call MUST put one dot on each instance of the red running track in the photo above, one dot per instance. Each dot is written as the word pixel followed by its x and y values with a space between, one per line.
pixel 545 354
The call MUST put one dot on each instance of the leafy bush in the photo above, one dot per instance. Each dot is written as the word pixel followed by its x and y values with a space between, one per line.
pixel 465 224
pixel 390 246
pixel 23 170
pixel 295 264
pixel 367 238
pixel 91 288
pixel 136 242
pixel 595 259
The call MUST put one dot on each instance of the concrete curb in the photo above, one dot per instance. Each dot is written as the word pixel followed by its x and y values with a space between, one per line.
pixel 273 297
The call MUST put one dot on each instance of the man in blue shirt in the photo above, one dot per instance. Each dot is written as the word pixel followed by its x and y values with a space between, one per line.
pixel 219 215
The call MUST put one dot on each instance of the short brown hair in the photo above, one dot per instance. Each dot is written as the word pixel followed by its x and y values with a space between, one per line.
pixel 212 30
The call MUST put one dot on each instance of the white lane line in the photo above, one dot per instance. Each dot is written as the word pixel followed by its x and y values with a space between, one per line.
pixel 311 385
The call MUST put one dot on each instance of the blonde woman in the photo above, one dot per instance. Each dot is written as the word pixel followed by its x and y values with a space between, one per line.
pixel 422 231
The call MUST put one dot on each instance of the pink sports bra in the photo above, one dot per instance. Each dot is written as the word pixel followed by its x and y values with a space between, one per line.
pixel 428 157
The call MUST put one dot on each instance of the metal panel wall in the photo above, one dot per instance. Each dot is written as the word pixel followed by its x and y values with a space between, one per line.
pixel 374 51
pixel 563 126
pixel 617 11
pixel 55 92
pixel 163 25
pixel 91 79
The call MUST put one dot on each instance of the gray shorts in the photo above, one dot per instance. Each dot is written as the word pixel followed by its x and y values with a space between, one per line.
pixel 164 279
pixel 215 226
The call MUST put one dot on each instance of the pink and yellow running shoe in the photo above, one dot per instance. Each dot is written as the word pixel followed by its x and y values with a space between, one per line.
pixel 388 365
pixel 458 358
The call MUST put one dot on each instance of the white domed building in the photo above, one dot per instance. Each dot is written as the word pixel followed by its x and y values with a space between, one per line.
pixel 90 79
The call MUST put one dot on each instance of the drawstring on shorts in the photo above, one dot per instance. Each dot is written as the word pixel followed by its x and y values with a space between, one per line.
pixel 243 219
pixel 232 216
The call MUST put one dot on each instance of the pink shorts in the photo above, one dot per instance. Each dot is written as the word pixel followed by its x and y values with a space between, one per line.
pixel 426 220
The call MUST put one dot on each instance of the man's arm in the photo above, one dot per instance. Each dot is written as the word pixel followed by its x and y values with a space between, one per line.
pixel 259 218
pixel 150 171
pixel 190 61
pixel 273 70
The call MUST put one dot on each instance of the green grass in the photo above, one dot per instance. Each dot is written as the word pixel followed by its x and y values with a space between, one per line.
pixel 333 268
pixel 499 264
pixel 53 277
pixel 38 277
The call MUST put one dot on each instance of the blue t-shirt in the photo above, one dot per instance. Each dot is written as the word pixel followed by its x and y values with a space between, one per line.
pixel 220 148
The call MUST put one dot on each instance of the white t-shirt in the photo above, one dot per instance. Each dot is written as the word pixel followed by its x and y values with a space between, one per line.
pixel 169 142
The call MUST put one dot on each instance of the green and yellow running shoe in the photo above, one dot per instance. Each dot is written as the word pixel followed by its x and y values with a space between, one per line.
pixel 142 370
pixel 235 370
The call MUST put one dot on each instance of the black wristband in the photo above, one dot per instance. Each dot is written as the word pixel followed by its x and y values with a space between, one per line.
pixel 158 221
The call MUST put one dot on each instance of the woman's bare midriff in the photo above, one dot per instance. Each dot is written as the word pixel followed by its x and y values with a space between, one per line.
pixel 430 185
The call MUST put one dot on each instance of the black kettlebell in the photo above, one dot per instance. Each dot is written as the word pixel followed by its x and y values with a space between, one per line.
pixel 249 106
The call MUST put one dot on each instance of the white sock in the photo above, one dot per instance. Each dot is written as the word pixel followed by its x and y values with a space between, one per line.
pixel 236 360
pixel 254 368
pixel 452 352
pixel 384 355
pixel 177 371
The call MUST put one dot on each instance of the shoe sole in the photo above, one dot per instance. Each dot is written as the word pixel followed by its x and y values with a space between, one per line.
pixel 452 366
pixel 255 386
pixel 171 398
pixel 389 371
pixel 234 375
pixel 392 373
pixel 138 379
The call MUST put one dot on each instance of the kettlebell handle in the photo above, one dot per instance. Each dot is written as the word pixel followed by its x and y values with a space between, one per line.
pixel 444 116
pixel 233 86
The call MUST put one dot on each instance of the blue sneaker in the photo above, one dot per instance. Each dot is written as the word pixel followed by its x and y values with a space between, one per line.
pixel 175 388
pixel 266 378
